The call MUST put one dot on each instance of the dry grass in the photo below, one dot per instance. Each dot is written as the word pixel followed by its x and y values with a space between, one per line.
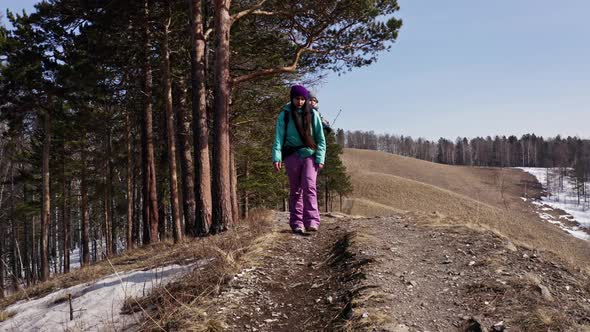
pixel 480 198
pixel 4 315
pixel 188 304
pixel 522 302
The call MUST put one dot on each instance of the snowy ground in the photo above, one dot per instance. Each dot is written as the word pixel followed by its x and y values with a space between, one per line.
pixel 96 305
pixel 76 259
pixel 560 199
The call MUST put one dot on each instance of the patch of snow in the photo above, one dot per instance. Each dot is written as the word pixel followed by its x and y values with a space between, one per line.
pixel 579 234
pixel 546 216
pixel 561 195
pixel 96 305
pixel 524 198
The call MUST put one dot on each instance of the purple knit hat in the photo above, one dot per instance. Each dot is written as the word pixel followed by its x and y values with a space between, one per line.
pixel 299 90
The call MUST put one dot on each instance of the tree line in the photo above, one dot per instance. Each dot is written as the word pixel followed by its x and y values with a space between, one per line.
pixel 124 123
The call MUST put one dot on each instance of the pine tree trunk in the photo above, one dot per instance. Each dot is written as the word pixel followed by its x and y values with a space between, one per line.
pixel 65 221
pixel 14 233
pixel 246 193
pixel 85 214
pixel 187 167
pixel 34 254
pixel 145 173
pixel 151 162
pixel 234 186
pixel 114 217
pixel 128 141
pixel 46 206
pixel 27 253
pixel 327 194
pixel 200 130
pixel 176 223
pixel 107 198
pixel 136 231
pixel 221 189
pixel 2 273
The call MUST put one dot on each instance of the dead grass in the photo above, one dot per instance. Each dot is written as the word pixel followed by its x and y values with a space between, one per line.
pixel 4 315
pixel 480 198
pixel 188 304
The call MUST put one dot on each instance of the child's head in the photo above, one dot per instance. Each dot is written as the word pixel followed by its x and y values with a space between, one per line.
pixel 299 95
pixel 313 99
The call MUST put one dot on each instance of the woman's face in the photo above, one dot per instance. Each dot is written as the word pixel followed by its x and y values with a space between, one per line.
pixel 299 101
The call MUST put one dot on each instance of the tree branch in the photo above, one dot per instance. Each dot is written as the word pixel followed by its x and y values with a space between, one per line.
pixel 272 71
pixel 235 17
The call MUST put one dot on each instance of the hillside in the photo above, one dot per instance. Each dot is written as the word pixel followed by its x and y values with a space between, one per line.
pixel 488 198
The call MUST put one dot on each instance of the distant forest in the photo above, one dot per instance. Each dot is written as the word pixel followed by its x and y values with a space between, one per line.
pixel 498 151
pixel 571 154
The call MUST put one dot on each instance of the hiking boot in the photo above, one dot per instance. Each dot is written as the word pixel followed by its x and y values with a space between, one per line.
pixel 312 229
pixel 298 230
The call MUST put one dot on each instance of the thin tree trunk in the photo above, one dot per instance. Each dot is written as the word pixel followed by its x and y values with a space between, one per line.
pixel 234 186
pixel 16 273
pixel 65 221
pixel 46 206
pixel 34 254
pixel 85 214
pixel 145 187
pixel 187 168
pixel 201 132
pixel 107 198
pixel 221 189
pixel 27 252
pixel 136 209
pixel 128 141
pixel 2 268
pixel 177 227
pixel 246 193
pixel 148 87
pixel 2 273
pixel 327 193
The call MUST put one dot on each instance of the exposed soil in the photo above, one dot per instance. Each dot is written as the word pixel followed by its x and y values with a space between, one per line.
pixel 403 274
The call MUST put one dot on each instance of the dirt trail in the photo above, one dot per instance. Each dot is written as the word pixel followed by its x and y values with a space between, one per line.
pixel 289 289
pixel 403 274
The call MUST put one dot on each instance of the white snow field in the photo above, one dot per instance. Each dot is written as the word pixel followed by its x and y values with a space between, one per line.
pixel 561 198
pixel 97 305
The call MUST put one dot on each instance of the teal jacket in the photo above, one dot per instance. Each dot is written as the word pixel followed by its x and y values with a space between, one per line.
pixel 293 138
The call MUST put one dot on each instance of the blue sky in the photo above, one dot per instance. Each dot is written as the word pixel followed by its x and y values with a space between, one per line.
pixel 469 68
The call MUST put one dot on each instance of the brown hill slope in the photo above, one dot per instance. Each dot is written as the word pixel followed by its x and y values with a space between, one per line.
pixel 489 198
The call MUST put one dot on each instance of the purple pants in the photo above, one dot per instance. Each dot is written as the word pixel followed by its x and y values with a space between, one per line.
pixel 303 202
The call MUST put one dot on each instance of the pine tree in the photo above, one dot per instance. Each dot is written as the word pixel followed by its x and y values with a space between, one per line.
pixel 333 177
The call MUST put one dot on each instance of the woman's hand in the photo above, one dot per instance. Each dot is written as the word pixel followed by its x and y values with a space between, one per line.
pixel 277 166
pixel 320 166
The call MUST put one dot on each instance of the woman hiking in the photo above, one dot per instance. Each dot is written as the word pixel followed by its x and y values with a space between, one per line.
pixel 301 146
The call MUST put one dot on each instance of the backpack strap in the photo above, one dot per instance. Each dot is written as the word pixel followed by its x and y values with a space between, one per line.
pixel 286 118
